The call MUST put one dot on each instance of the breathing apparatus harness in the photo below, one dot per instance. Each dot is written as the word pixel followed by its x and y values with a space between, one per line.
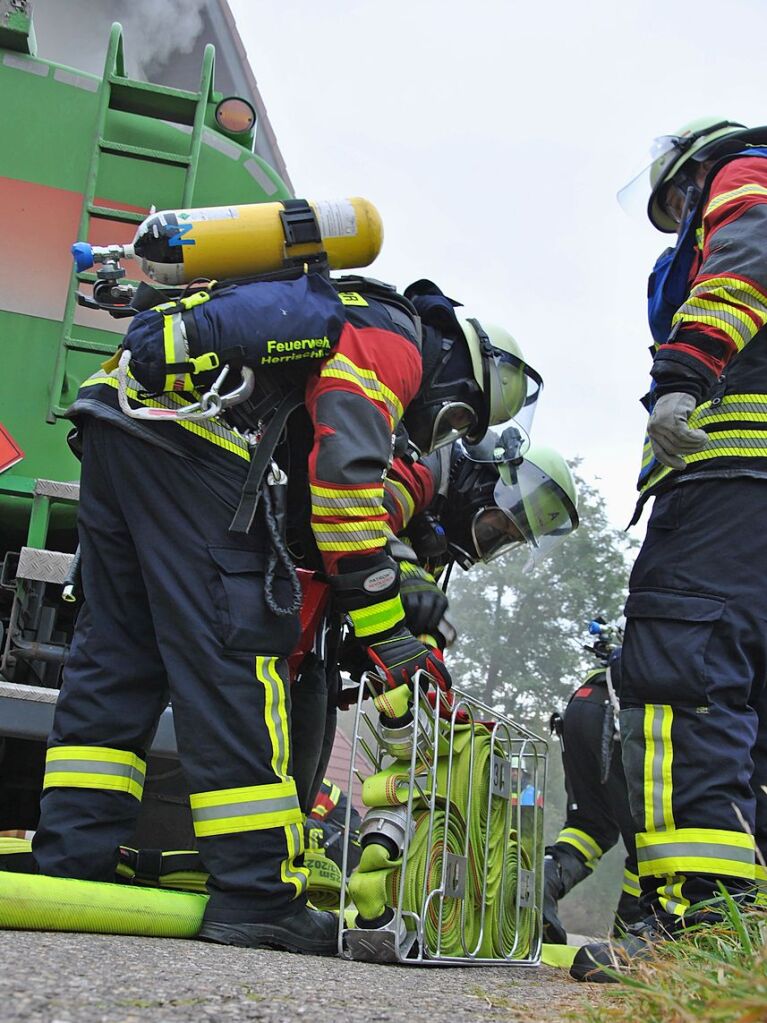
pixel 259 414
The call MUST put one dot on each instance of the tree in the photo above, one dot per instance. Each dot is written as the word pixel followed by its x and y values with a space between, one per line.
pixel 521 629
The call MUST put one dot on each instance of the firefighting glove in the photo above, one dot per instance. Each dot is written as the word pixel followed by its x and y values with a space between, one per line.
pixel 669 434
pixel 424 601
pixel 399 656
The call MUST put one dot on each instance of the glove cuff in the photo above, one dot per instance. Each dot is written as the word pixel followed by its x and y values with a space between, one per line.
pixel 363 582
pixel 378 620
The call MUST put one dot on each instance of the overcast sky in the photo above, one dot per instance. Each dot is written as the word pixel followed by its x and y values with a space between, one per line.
pixel 493 137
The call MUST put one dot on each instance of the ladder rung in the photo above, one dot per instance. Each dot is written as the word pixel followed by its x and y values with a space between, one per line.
pixel 114 214
pixel 141 153
pixel 142 98
pixel 76 344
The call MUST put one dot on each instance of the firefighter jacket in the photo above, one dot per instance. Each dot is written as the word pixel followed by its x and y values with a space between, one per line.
pixel 708 309
pixel 358 366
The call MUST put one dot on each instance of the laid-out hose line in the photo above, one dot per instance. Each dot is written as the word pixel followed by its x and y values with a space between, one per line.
pixel 33 902
pixel 453 926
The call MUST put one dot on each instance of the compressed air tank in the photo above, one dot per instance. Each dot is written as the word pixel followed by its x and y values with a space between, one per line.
pixel 178 246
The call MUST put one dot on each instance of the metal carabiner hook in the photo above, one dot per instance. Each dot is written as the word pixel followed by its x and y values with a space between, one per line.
pixel 210 405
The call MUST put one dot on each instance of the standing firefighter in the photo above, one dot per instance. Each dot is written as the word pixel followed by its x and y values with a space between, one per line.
pixel 189 590
pixel 693 698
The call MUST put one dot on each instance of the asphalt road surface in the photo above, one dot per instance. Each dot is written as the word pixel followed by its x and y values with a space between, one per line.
pixel 94 978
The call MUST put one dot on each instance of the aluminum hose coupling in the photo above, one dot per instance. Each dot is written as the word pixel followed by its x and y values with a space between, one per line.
pixel 388 827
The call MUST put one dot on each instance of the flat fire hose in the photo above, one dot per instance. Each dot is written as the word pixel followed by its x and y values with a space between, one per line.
pixel 32 902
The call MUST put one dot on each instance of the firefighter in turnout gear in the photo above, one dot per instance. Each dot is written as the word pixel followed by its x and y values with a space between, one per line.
pixel 693 696
pixel 190 593
pixel 598 810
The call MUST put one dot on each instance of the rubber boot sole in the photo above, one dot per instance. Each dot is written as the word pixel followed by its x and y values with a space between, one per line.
pixel 267 936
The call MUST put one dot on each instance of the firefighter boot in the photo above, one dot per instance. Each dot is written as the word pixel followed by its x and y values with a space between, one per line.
pixel 628 912
pixel 602 962
pixel 298 929
pixel 562 871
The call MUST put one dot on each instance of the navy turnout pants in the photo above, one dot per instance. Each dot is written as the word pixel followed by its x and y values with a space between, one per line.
pixel 693 694
pixel 174 609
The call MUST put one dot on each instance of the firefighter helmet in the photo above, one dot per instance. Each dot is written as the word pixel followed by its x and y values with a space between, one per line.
pixel 494 506
pixel 510 387
pixel 473 376
pixel 668 160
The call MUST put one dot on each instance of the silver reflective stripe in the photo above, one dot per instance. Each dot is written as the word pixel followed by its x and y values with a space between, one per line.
pixel 322 504
pixel 698 850
pixel 322 535
pixel 245 808
pixel 657 770
pixel 96 767
pixel 751 445
pixel 692 308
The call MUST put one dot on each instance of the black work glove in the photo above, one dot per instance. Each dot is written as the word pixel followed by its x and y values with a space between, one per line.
pixel 423 599
pixel 400 656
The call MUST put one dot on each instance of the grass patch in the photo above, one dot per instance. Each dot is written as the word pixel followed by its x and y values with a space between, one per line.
pixel 715 974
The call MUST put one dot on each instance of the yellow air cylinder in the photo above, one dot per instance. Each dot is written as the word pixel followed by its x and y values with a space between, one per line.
pixel 177 246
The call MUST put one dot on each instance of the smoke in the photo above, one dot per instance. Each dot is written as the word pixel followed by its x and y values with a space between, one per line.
pixel 76 32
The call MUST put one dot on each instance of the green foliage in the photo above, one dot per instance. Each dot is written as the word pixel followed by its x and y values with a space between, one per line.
pixel 521 629
pixel 716 974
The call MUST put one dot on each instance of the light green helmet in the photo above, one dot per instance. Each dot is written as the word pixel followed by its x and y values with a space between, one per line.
pixel 540 497
pixel 697 140
pixel 510 387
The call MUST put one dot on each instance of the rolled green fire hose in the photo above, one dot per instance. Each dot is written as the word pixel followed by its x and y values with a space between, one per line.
pixel 375 884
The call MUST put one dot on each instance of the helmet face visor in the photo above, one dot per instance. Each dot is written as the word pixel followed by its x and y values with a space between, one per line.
pixel 539 508
pixel 514 389
pixel 663 152
pixel 454 420
pixel 494 533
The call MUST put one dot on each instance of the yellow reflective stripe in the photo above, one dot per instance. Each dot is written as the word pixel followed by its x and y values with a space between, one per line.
pixel 631 883
pixel 658 759
pixel 649 757
pixel 249 808
pixel 736 324
pixel 732 289
pixel 342 368
pixel 672 899
pixel 352 502
pixel 738 443
pixel 367 621
pixel 666 777
pixel 335 794
pixel 583 842
pixel 289 872
pixel 333 492
pixel 94 767
pixel 695 851
pixel 737 193
pixel 176 350
pixel 275 714
pixel 213 431
pixel 403 498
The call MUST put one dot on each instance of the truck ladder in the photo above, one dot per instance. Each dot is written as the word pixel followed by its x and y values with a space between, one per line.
pixel 118 92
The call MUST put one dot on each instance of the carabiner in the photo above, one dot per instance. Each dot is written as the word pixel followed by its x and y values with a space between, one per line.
pixel 210 405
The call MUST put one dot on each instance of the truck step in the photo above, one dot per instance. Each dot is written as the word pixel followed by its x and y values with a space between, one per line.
pixel 43 566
